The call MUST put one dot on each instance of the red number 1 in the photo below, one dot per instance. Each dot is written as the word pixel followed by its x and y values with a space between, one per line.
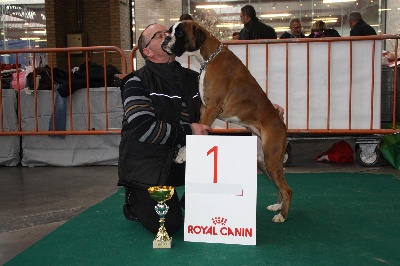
pixel 215 150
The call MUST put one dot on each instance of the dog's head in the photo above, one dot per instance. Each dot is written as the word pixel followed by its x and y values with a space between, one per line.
pixel 184 36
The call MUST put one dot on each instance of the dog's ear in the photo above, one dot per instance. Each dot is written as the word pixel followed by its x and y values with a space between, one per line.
pixel 200 36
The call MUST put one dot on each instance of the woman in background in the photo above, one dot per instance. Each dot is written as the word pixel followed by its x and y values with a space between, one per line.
pixel 317 29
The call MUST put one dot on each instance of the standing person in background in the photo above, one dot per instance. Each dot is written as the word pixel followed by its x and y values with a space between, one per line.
pixel 317 29
pixel 235 35
pixel 295 30
pixel 253 27
pixel 358 26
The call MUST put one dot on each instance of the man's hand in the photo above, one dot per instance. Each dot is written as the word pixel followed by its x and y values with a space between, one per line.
pixel 391 56
pixel 280 111
pixel 199 129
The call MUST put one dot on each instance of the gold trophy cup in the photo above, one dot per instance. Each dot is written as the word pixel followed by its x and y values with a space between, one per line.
pixel 161 194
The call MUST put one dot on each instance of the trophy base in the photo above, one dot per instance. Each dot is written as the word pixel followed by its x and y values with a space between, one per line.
pixel 162 244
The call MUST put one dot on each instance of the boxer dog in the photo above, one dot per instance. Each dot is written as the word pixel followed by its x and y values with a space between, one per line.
pixel 229 92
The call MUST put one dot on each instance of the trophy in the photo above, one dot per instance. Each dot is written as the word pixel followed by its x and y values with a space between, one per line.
pixel 161 194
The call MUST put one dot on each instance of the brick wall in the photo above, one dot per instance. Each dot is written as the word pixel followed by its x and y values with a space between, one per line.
pixel 124 28
pixel 106 23
pixel 56 26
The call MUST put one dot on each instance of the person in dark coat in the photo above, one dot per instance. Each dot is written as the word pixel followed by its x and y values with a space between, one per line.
pixel 253 27
pixel 295 30
pixel 161 107
pixel 330 33
pixel 358 26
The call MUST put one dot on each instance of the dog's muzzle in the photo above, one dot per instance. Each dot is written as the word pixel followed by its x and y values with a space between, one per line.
pixel 166 45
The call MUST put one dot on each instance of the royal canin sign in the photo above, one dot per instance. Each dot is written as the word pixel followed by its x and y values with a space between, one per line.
pixel 219 229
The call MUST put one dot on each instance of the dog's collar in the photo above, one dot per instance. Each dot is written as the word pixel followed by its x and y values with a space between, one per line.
pixel 203 66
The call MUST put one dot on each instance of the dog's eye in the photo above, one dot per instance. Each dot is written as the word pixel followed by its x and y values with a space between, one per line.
pixel 178 33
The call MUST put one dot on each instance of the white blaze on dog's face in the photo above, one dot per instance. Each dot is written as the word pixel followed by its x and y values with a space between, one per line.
pixel 184 37
pixel 170 39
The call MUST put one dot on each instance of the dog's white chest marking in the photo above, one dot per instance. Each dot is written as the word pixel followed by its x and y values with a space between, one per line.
pixel 201 86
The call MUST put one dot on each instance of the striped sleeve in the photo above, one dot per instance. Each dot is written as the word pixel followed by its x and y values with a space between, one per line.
pixel 139 113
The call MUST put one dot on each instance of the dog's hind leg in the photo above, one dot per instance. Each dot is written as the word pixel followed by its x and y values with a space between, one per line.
pixel 278 205
pixel 261 165
pixel 274 149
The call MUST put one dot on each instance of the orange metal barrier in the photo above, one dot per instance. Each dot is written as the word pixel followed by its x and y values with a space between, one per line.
pixel 54 54
pixel 264 43
pixel 369 129
pixel 257 55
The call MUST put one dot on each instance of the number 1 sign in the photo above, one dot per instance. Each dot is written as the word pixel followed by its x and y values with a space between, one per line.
pixel 221 189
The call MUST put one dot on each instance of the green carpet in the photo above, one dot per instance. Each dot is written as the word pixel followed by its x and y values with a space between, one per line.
pixel 335 218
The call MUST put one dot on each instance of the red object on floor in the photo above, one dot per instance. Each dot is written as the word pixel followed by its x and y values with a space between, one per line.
pixel 340 152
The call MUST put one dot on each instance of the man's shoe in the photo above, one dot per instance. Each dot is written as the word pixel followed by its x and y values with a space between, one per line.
pixel 128 214
pixel 125 209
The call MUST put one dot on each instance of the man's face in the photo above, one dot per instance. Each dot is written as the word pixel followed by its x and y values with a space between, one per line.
pixel 351 23
pixel 295 28
pixel 244 18
pixel 154 35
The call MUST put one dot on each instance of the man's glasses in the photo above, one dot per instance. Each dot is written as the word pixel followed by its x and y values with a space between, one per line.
pixel 158 34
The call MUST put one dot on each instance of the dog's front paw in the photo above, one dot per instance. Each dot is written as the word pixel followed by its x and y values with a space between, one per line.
pixel 278 218
pixel 275 207
pixel 181 156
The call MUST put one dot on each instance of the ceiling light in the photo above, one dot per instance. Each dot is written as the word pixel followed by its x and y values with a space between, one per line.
pixel 337 1
pixel 230 25
pixel 275 15
pixel 29 38
pixel 281 29
pixel 212 6
pixel 329 19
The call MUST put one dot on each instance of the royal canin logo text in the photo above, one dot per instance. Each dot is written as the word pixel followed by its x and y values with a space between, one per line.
pixel 220 230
